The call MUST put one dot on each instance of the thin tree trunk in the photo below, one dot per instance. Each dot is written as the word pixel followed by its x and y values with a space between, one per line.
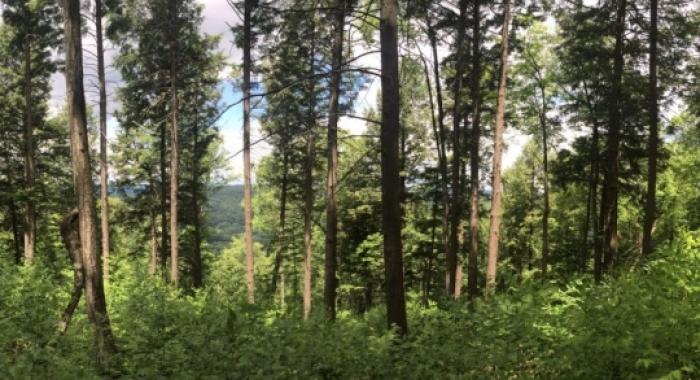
pixel 104 175
pixel 308 206
pixel 331 260
pixel 15 232
pixel 197 275
pixel 495 224
pixel 545 167
pixel 391 183
pixel 281 238
pixel 247 185
pixel 82 179
pixel 153 260
pixel 455 209
pixel 613 151
pixel 472 267
pixel 29 165
pixel 174 146
pixel 163 202
pixel 599 246
pixel 71 239
pixel 650 206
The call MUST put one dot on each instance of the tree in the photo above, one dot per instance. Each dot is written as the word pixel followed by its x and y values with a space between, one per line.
pixel 391 184
pixel 472 266
pixel 248 187
pixel 104 175
pixel 496 212
pixel 653 147
pixel 82 179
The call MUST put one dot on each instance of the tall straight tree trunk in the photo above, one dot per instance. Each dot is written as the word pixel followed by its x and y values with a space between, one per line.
pixel 495 224
pixel 163 202
pixel 609 206
pixel 650 206
pixel 174 146
pixel 545 169
pixel 104 175
pixel 82 179
pixel 29 166
pixel 281 238
pixel 391 183
pixel 456 207
pixel 308 209
pixel 442 152
pixel 247 185
pixel 472 267
pixel 331 260
pixel 197 271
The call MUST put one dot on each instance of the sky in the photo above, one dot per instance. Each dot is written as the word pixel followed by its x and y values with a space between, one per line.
pixel 217 17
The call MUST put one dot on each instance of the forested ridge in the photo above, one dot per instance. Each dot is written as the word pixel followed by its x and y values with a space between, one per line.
pixel 470 189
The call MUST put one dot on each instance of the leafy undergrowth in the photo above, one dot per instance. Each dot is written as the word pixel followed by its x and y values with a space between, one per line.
pixel 644 324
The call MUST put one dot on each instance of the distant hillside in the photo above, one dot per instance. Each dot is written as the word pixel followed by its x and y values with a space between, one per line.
pixel 224 215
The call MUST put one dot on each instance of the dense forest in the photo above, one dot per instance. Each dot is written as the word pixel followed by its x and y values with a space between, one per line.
pixel 482 189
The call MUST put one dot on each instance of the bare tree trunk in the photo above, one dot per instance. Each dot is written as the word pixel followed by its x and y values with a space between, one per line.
pixel 455 209
pixel 495 224
pixel 29 165
pixel 281 238
pixel 197 275
pixel 391 183
pixel 545 167
pixel 472 265
pixel 308 208
pixel 247 184
pixel 174 145
pixel 71 239
pixel 613 151
pixel 104 175
pixel 82 179
pixel 650 206
pixel 153 260
pixel 15 232
pixel 331 260
pixel 163 202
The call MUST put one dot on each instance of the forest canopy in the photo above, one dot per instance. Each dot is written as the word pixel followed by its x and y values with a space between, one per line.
pixel 350 189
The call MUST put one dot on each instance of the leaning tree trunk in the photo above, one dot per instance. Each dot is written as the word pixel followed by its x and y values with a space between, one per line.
pixel 82 179
pixel 331 260
pixel 71 239
pixel 609 206
pixel 29 165
pixel 456 207
pixel 391 183
pixel 650 206
pixel 495 224
pixel 104 177
pixel 247 184
pixel 472 267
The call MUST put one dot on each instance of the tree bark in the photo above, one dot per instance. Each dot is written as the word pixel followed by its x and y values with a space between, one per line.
pixel 82 179
pixel 308 209
pixel 71 239
pixel 174 146
pixel 197 270
pixel 331 260
pixel 613 151
pixel 104 175
pixel 247 185
pixel 29 165
pixel 455 209
pixel 472 265
pixel 545 169
pixel 281 238
pixel 391 183
pixel 163 202
pixel 495 223
pixel 650 206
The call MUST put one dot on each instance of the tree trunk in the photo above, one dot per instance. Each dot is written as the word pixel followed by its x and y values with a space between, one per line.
pixel 455 209
pixel 391 183
pixel 15 232
pixel 650 206
pixel 104 175
pixel 247 185
pixel 174 146
pixel 331 260
pixel 495 224
pixel 197 270
pixel 281 238
pixel 442 152
pixel 71 239
pixel 472 267
pixel 82 179
pixel 613 151
pixel 308 209
pixel 545 169
pixel 29 166
pixel 163 202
